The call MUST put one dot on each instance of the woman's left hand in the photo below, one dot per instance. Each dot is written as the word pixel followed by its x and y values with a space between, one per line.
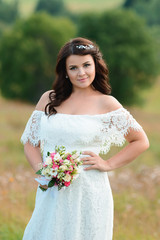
pixel 95 161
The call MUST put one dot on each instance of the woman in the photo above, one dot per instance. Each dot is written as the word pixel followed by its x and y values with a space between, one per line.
pixel 79 114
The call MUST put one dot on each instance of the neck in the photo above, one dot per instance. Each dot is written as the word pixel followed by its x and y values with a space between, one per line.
pixel 82 92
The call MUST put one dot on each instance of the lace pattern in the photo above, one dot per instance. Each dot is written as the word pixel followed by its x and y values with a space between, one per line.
pixel 84 211
pixel 115 126
pixel 97 132
pixel 32 132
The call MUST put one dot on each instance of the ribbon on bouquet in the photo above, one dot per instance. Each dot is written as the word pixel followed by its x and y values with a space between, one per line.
pixel 42 180
pixel 53 191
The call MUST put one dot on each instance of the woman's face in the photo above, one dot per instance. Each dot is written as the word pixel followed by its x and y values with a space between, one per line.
pixel 80 70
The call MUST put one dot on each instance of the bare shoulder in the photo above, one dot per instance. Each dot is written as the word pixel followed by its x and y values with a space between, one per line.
pixel 110 103
pixel 44 99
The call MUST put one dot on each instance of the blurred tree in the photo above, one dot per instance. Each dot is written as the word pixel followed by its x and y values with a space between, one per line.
pixel 4 27
pixel 28 55
pixel 131 3
pixel 128 49
pixel 53 7
pixel 8 11
pixel 149 9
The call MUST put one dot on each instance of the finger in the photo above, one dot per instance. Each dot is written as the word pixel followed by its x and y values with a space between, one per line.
pixel 88 162
pixel 90 168
pixel 86 158
pixel 89 153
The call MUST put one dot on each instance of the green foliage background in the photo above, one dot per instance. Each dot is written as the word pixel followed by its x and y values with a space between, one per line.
pixel 8 11
pixel 149 9
pixel 28 55
pixel 29 50
pixel 128 49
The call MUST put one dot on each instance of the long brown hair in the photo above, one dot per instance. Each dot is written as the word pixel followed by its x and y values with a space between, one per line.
pixel 62 87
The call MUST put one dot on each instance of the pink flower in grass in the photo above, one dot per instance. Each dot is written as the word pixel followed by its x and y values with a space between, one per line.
pixel 67 184
pixel 44 165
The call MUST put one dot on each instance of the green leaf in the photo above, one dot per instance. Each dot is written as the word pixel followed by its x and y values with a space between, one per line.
pixel 48 153
pixel 52 182
pixel 43 189
pixel 39 172
pixel 59 187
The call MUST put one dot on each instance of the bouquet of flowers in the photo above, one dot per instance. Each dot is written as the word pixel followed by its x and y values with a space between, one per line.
pixel 60 168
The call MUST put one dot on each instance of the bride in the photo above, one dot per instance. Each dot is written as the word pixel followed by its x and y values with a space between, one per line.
pixel 79 113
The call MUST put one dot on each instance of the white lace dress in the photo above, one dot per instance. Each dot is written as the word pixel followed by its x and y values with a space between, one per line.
pixel 84 210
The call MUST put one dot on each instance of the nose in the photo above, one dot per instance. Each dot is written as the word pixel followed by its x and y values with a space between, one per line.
pixel 81 71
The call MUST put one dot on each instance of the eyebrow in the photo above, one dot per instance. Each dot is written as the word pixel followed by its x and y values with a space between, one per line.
pixel 73 65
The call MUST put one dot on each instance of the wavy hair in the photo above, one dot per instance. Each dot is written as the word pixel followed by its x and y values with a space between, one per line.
pixel 62 87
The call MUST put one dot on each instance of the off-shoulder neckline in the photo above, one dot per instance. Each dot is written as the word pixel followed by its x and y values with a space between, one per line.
pixel 87 115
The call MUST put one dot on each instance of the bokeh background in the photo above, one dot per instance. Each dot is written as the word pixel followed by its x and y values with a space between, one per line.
pixel 128 33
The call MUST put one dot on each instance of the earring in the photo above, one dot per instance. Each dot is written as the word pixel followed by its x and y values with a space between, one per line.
pixel 66 76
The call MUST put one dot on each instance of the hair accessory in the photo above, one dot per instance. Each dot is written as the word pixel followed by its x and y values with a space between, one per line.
pixel 89 46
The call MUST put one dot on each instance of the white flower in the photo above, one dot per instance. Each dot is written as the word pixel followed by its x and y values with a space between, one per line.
pixel 60 175
pixel 67 162
pixel 53 172
pixel 45 171
pixel 57 157
pixel 63 167
pixel 48 160
pixel 67 178
pixel 74 156
pixel 49 177
pixel 77 160
pixel 75 168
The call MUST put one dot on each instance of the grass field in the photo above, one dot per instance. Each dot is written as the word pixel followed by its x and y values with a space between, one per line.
pixel 135 187
pixel 27 6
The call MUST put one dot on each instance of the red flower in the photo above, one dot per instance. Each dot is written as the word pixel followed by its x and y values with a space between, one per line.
pixel 67 184
pixel 69 156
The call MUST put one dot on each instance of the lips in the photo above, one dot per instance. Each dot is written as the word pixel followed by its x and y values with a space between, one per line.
pixel 82 79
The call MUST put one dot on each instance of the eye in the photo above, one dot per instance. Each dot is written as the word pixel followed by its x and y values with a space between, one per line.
pixel 73 68
pixel 87 65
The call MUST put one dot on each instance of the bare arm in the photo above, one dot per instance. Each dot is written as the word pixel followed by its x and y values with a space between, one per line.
pixel 138 143
pixel 33 155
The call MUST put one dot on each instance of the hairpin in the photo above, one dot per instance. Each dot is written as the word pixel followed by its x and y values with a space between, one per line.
pixel 89 46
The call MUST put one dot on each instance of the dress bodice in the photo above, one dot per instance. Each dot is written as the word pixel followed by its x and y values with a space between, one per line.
pixel 85 209
pixel 79 132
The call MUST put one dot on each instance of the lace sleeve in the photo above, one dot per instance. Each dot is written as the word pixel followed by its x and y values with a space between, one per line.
pixel 115 127
pixel 32 133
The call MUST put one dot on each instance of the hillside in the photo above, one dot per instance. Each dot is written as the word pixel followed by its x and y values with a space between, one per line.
pixel 27 6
